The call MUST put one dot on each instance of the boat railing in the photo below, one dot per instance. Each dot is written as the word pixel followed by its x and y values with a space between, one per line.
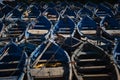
pixel 4 53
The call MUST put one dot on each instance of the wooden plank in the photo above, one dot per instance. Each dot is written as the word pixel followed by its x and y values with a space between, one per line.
pixel 11 62
pixel 112 32
pixel 17 31
pixel 52 16
pixel 47 72
pixel 64 28
pixel 5 70
pixel 65 35
pixel 72 17
pixel 9 78
pixel 93 67
pixel 64 32
pixel 91 32
pixel 88 52
pixel 96 75
pixel 34 31
pixel 49 61
pixel 84 60
pixel 55 19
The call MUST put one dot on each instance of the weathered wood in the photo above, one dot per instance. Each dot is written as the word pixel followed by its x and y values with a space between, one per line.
pixel 64 32
pixel 33 31
pixel 11 62
pixel 52 16
pixel 84 60
pixel 45 61
pixel 6 70
pixel 113 32
pixel 65 35
pixel 92 67
pixel 48 72
pixel 17 31
pixel 96 75
pixel 91 32
pixel 9 78
pixel 93 64
pixel 64 28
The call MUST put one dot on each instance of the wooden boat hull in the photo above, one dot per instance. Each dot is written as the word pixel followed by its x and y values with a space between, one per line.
pixel 12 63
pixel 92 63
pixel 35 34
pixel 45 67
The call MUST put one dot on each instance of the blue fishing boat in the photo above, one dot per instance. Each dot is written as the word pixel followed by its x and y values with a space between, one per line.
pixel 59 7
pixel 93 63
pixel 76 6
pixel 91 6
pixel 38 30
pixel 69 12
pixel 31 13
pixel 35 34
pixel 12 62
pixel 102 11
pixel 49 61
pixel 90 30
pixel 15 30
pixel 84 12
pixel 65 27
pixel 63 34
pixel 51 14
pixel 87 26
